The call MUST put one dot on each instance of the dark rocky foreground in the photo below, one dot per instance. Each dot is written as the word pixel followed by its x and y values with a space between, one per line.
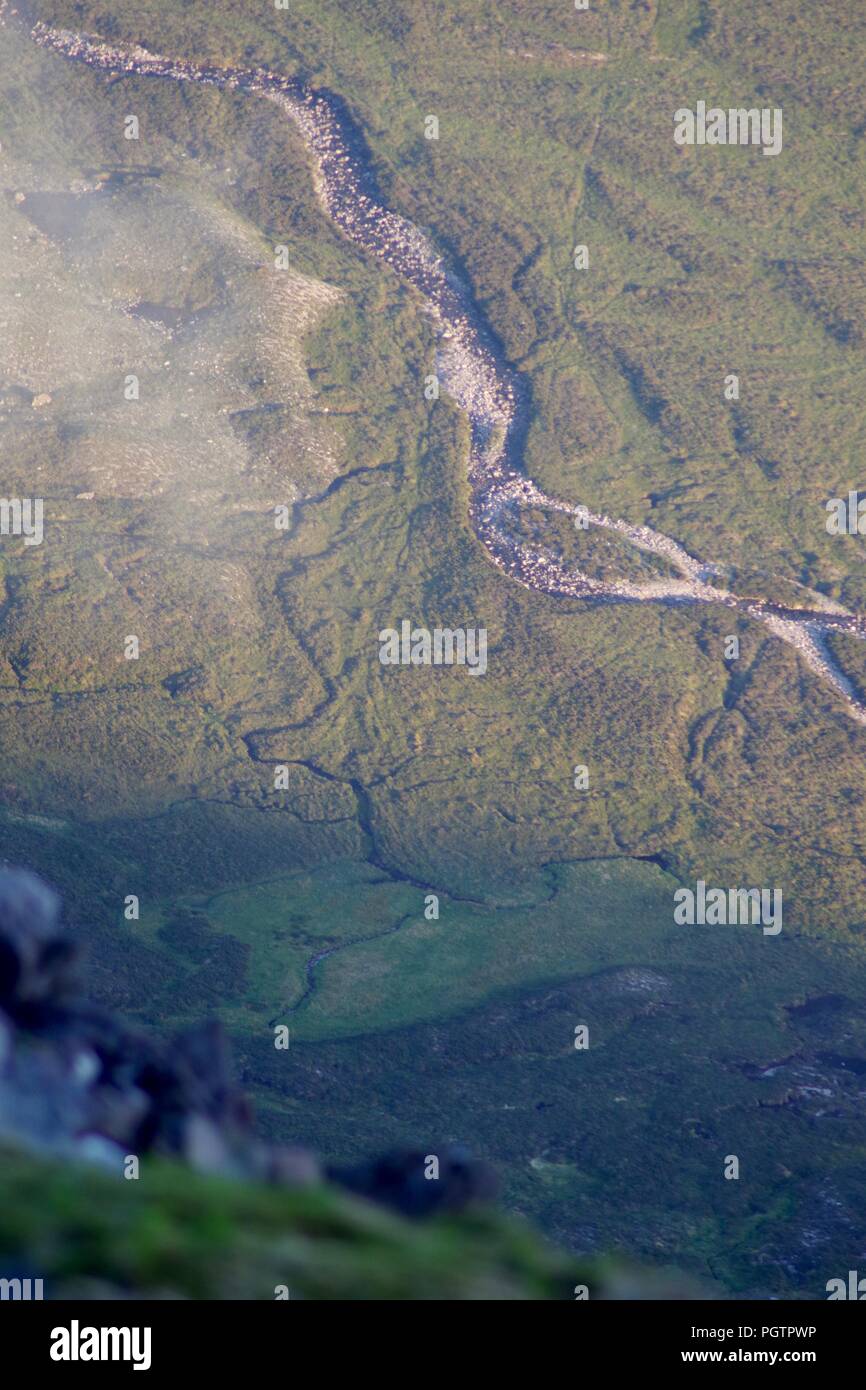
pixel 213 1212
pixel 76 1082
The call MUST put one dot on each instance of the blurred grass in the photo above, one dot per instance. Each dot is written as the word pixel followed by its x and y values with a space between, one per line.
pixel 172 1233
pixel 701 263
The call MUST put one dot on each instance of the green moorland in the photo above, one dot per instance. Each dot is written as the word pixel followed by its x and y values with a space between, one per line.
pixel 303 388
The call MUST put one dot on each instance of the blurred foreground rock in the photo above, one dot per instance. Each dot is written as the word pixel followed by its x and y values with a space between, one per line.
pixel 213 1212
pixel 75 1081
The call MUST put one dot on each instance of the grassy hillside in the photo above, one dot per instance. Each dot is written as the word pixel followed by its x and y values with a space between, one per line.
pixel 173 1236
pixel 258 647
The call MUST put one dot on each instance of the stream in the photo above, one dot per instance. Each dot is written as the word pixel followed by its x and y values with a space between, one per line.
pixel 470 371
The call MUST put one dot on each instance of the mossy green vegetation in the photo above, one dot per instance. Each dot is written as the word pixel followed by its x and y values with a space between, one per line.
pixel 173 1234
pixel 259 646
